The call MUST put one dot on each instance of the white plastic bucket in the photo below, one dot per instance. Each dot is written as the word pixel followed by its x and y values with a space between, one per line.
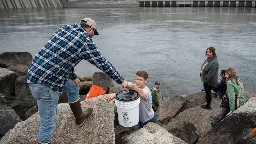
pixel 128 112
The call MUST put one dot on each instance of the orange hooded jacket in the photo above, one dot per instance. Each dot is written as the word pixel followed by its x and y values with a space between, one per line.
pixel 94 92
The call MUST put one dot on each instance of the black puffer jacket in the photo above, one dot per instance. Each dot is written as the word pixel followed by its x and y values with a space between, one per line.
pixel 224 102
pixel 223 85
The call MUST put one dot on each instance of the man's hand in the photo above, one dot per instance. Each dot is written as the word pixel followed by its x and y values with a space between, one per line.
pixel 125 84
pixel 131 86
pixel 77 82
pixel 110 96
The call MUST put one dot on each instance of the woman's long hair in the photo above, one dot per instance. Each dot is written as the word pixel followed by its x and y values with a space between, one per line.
pixel 212 49
pixel 232 74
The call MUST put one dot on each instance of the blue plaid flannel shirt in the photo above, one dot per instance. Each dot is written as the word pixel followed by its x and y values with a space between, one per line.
pixel 54 64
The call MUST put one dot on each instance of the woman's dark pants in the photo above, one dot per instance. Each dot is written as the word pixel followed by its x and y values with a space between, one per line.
pixel 208 96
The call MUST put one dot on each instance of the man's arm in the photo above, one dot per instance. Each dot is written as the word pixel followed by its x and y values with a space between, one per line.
pixel 72 75
pixel 93 55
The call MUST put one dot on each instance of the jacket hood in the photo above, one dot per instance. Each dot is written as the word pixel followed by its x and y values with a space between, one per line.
pixel 233 82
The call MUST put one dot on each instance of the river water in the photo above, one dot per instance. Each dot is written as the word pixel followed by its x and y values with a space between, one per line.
pixel 168 43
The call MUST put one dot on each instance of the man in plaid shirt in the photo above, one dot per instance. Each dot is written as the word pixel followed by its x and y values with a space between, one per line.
pixel 52 72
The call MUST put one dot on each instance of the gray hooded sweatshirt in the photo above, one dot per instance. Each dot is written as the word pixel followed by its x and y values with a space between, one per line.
pixel 209 72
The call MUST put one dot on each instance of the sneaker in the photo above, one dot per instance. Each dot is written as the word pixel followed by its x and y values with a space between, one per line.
pixel 206 107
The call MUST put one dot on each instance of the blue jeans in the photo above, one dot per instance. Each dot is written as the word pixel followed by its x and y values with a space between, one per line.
pixel 154 119
pixel 47 101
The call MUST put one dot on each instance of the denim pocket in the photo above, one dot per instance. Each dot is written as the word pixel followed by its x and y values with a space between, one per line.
pixel 36 90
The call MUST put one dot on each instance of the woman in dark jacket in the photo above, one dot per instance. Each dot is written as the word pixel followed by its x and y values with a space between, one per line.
pixel 209 75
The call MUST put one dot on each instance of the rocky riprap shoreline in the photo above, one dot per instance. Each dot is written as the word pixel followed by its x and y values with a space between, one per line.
pixel 180 119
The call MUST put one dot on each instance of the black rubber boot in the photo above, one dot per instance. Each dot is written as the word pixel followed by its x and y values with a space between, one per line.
pixel 206 107
pixel 79 114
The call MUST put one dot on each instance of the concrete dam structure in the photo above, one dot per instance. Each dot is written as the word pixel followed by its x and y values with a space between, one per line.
pixel 13 4
pixel 194 3
pixel 101 3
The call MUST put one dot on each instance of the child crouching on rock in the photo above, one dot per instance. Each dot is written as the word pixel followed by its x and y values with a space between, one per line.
pixel 146 112
pixel 233 98
pixel 222 85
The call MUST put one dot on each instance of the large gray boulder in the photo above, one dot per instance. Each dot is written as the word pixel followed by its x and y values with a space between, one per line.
pixel 31 111
pixel 20 69
pixel 16 61
pixel 151 134
pixel 103 80
pixel 169 109
pixel 234 129
pixel 88 78
pixel 85 87
pixel 195 116
pixel 121 131
pixel 7 81
pixel 97 129
pixel 100 79
pixel 172 106
pixel 16 96
pixel 187 133
pixel 8 119
pixel 22 91
pixel 194 100
pixel 113 88
pixel 20 107
pixel 13 58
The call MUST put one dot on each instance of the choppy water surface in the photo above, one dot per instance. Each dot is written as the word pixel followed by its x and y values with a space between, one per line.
pixel 169 43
